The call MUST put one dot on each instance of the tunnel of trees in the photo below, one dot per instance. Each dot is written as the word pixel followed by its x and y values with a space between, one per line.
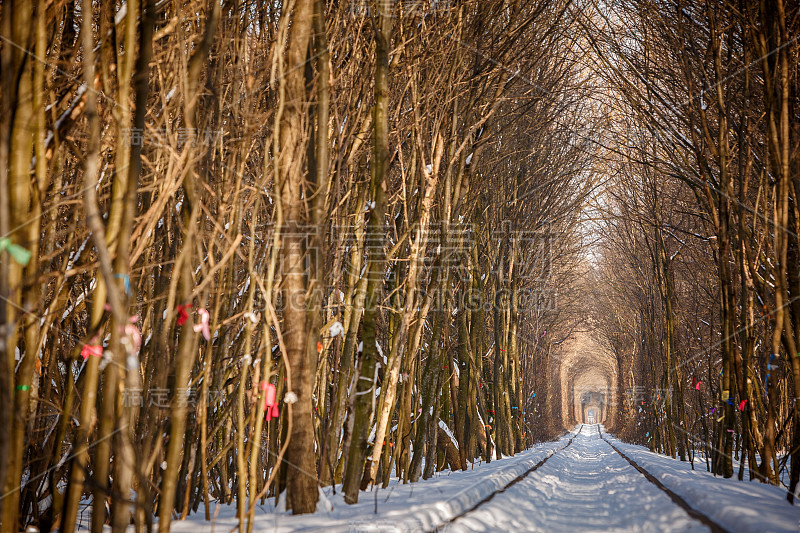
pixel 250 247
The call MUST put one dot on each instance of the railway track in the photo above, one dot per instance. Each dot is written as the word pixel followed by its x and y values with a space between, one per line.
pixel 509 485
pixel 693 514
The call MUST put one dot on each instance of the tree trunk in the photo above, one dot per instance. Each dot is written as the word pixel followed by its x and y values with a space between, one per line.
pixel 375 268
pixel 301 478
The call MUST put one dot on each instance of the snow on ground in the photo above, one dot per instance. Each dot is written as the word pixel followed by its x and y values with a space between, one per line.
pixel 741 506
pixel 587 487
pixel 413 507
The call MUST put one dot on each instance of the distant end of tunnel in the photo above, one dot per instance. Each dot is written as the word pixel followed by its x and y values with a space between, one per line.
pixel 587 375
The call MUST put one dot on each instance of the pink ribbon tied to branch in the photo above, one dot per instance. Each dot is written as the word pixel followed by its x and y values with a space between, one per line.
pixel 203 325
pixel 135 335
pixel 270 405
pixel 91 350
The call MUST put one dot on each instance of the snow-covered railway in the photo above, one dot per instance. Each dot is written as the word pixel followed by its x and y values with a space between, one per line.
pixel 588 485
pixel 694 513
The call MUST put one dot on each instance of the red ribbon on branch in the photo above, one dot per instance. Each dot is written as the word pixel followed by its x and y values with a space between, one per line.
pixel 183 314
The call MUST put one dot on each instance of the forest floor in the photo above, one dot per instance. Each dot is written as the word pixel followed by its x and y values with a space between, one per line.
pixel 577 483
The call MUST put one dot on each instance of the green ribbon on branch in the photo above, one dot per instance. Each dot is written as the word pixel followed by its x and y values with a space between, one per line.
pixel 20 254
pixel 23 387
